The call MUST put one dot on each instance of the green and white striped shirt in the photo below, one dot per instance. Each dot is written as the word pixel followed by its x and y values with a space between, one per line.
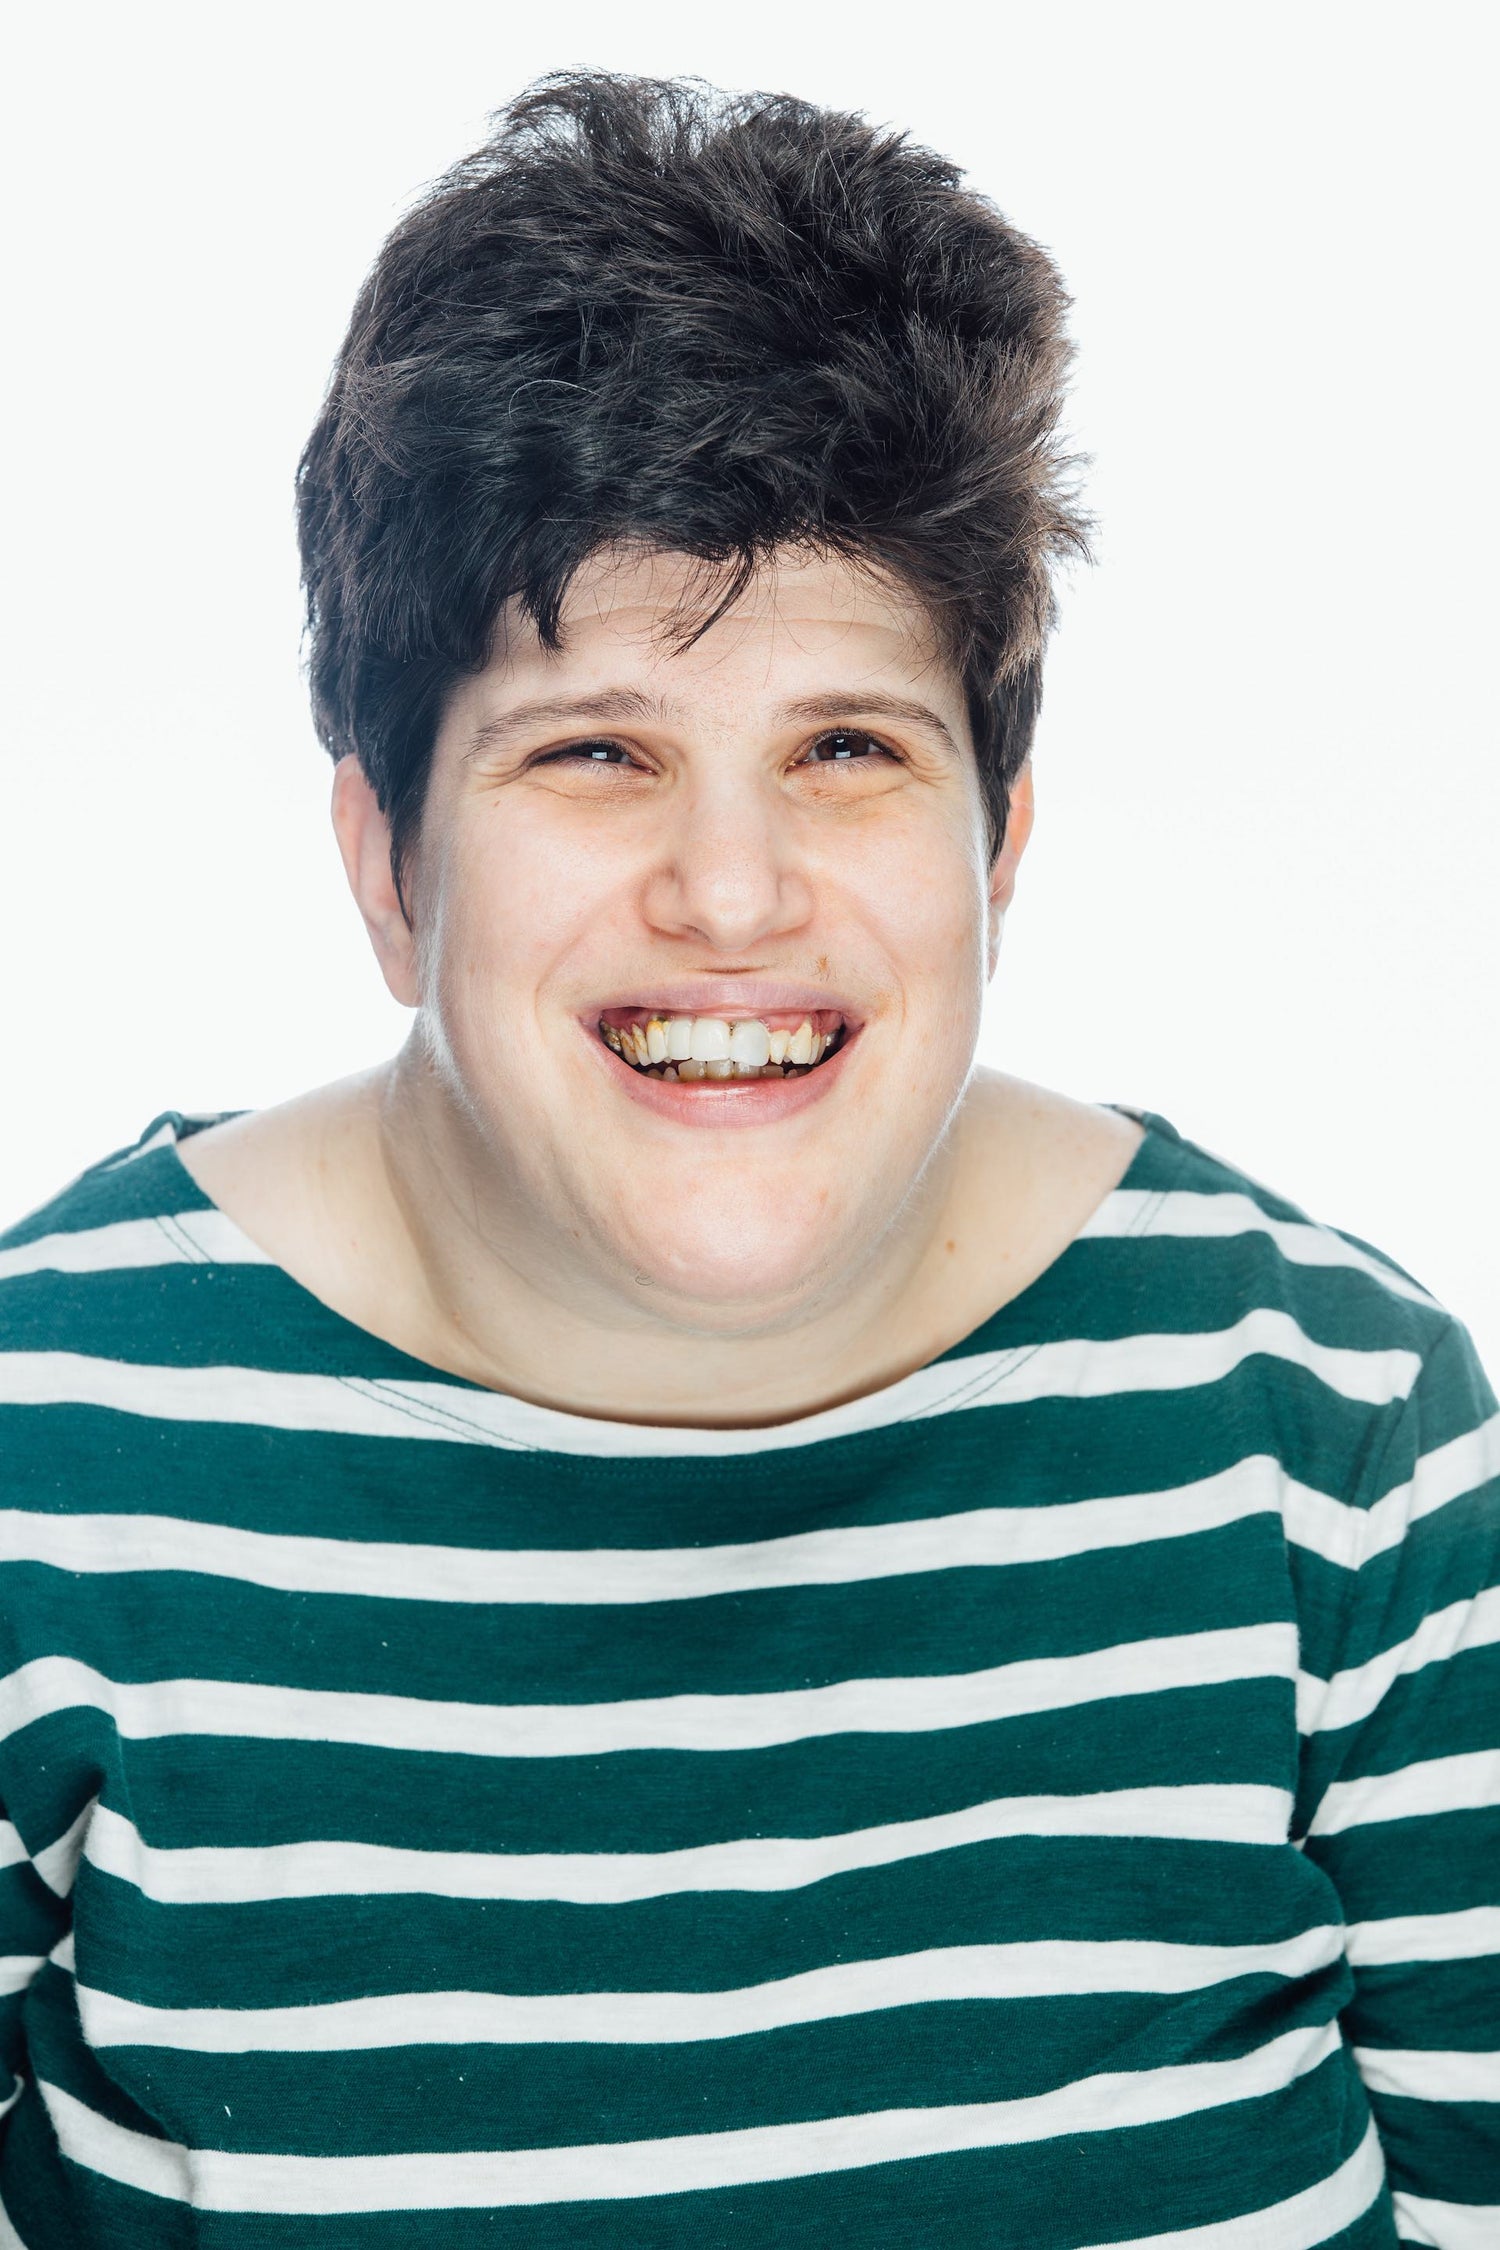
pixel 1053 1801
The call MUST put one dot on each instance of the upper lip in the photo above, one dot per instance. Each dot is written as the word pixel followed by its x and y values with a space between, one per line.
pixel 730 997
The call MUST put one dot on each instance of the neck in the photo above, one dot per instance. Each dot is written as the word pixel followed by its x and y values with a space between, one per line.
pixel 372 1194
pixel 490 1289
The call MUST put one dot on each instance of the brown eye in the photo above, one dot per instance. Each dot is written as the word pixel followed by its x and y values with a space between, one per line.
pixel 589 753
pixel 843 746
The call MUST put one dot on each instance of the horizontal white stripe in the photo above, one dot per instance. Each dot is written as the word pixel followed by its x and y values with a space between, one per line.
pixel 17 1970
pixel 1300 2223
pixel 12 1850
pixel 141 1710
pixel 1323 1705
pixel 1181 1211
pixel 197 1237
pixel 960 1972
pixel 975 1538
pixel 222 1875
pixel 1467 1782
pixel 1465 1936
pixel 1447 2226
pixel 270 1398
pixel 223 2180
pixel 1431 2074
pixel 1352 1536
pixel 1076 1368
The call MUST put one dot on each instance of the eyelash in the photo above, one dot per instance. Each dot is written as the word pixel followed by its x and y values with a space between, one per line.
pixel 589 751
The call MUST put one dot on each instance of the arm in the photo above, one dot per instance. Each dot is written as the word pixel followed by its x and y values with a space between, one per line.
pixel 1400 1707
pixel 32 1918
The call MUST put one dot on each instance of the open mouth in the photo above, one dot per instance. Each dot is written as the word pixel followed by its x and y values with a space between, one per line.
pixel 787 1043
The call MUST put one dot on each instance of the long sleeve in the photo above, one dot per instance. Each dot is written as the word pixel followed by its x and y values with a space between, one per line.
pixel 32 1919
pixel 1401 1798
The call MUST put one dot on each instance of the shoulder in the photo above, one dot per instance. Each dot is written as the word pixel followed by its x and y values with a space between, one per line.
pixel 1253 1236
pixel 104 1269
pixel 135 1208
pixel 1325 1329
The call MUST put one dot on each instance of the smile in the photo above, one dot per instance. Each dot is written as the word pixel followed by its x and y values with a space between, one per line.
pixel 779 1044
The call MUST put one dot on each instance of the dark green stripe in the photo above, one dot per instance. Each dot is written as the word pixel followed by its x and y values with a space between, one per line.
pixel 1439 1864
pixel 1450 2150
pixel 185 1790
pixel 145 1625
pixel 455 2098
pixel 1429 2004
pixel 1023 1889
pixel 430 1491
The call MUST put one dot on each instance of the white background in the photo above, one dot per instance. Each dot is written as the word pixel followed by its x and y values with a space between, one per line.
pixel 1262 894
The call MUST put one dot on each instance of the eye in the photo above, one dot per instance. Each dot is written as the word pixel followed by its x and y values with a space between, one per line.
pixel 845 746
pixel 612 754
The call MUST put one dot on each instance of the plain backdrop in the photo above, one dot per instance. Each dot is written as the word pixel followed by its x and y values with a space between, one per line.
pixel 1261 897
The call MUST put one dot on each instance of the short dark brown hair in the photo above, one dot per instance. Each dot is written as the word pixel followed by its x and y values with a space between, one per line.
pixel 645 311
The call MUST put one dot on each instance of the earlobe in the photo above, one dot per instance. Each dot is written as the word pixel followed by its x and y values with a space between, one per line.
pixel 364 841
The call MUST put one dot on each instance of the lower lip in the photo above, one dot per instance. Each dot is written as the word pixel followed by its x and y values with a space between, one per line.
pixel 717 1103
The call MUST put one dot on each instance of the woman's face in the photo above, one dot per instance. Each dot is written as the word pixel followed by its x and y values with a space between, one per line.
pixel 651 889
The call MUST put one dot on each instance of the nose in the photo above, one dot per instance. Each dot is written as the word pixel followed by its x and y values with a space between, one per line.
pixel 729 873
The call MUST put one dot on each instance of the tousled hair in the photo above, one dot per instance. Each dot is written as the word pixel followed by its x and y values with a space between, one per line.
pixel 645 311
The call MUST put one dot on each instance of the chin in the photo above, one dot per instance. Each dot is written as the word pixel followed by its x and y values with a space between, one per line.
pixel 764 1280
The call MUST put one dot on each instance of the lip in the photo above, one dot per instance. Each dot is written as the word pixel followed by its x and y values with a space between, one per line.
pixel 724 1102
pixel 730 997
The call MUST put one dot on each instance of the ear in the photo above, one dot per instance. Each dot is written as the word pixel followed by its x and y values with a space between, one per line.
pixel 364 838
pixel 1003 874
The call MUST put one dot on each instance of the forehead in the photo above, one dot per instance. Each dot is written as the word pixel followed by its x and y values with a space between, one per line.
pixel 802 618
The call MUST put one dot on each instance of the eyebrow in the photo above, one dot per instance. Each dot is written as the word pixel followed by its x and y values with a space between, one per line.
pixel 842 704
pixel 608 703
pixel 626 703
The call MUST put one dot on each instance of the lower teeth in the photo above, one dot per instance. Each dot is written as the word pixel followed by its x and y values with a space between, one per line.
pixel 718 1070
pixel 692 1070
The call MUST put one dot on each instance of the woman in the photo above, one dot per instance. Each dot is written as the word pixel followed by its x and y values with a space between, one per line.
pixel 675 1618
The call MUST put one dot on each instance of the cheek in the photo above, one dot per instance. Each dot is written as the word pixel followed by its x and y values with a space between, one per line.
pixel 514 900
pixel 924 891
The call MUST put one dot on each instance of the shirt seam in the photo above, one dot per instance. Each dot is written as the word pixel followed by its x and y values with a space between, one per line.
pixel 965 1390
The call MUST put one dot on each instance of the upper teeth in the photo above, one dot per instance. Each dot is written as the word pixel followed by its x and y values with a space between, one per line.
pixel 742 1048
